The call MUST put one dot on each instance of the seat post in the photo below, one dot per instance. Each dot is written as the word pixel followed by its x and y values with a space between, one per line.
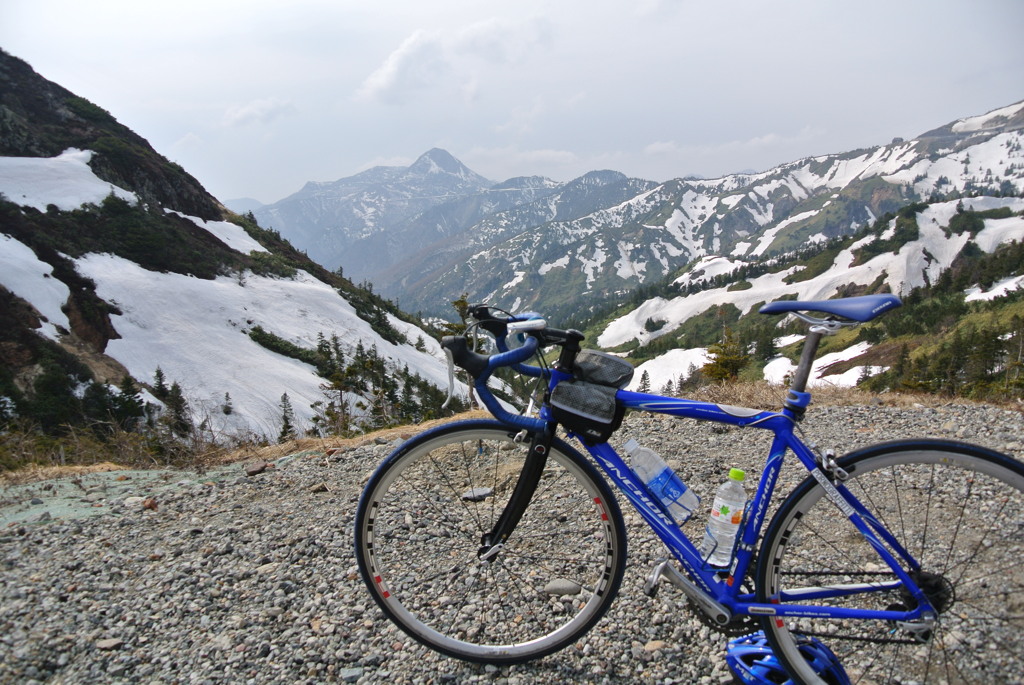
pixel 797 398
pixel 810 351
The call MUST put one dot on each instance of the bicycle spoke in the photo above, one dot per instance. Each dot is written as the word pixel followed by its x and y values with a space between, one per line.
pixel 428 537
pixel 952 506
pixel 959 521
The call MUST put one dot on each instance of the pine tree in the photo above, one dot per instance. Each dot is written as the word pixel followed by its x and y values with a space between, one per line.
pixel 764 343
pixel 287 420
pixel 645 382
pixel 160 390
pixel 728 358
pixel 128 405
pixel 461 306
pixel 179 419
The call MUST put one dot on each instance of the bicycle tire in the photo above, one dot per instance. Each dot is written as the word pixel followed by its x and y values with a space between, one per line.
pixel 418 535
pixel 959 510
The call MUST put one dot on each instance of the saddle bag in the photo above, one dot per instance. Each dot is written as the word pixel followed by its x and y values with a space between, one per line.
pixel 602 368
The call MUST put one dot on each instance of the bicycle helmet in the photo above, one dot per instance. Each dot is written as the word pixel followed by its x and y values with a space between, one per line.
pixel 752 662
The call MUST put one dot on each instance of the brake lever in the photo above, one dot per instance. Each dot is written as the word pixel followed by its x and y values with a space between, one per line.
pixel 451 377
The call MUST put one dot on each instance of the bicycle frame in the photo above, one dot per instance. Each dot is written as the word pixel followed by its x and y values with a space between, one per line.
pixel 712 590
pixel 710 581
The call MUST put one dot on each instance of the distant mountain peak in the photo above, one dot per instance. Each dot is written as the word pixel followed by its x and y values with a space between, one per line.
pixel 436 161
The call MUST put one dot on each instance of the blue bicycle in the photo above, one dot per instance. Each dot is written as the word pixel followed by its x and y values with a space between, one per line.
pixel 497 541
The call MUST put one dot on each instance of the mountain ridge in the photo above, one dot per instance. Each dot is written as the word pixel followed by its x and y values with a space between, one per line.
pixel 624 242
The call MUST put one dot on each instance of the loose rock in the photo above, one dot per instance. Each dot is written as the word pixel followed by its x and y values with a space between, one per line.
pixel 255 580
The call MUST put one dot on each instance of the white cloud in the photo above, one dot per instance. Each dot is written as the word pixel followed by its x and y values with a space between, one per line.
pixel 662 147
pixel 262 111
pixel 417 63
pixel 452 60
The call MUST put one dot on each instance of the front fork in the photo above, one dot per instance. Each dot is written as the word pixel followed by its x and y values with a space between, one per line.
pixel 536 459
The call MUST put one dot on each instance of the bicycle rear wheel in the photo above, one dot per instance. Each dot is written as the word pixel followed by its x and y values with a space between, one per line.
pixel 418 537
pixel 959 510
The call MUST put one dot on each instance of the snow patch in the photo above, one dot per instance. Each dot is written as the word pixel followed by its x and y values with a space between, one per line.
pixel 66 181
pixel 984 120
pixel 32 280
pixel 1003 287
pixel 671 366
pixel 232 235
pixel 196 331
pixel 779 369
pixel 557 264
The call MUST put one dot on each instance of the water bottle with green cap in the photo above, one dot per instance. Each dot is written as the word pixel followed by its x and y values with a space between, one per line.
pixel 724 522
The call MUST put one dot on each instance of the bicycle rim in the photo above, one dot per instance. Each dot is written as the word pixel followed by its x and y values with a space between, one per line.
pixel 418 538
pixel 959 510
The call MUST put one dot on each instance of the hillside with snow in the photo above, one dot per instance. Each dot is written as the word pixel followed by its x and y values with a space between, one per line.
pixel 902 266
pixel 196 330
pixel 115 264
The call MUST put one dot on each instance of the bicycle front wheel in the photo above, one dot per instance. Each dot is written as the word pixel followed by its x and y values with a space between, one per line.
pixel 959 511
pixel 419 528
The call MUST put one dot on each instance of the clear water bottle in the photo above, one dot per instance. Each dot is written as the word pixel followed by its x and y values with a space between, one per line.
pixel 662 481
pixel 726 516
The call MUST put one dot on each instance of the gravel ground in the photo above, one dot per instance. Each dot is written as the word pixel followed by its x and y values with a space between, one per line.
pixel 251 578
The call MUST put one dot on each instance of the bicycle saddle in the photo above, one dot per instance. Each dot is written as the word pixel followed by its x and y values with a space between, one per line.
pixel 862 308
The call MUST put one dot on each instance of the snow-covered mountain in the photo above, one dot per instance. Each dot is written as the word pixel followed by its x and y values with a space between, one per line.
pixel 111 264
pixel 912 250
pixel 560 247
pixel 638 240
pixel 359 222
pixel 194 329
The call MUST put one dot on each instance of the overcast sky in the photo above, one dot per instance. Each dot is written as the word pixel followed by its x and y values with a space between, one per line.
pixel 256 97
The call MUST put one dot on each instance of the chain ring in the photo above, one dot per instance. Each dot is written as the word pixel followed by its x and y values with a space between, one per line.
pixel 739 624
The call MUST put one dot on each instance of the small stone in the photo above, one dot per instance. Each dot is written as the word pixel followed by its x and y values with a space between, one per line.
pixel 320 487
pixel 655 645
pixel 477 494
pixel 562 587
pixel 256 468
pixel 350 675
pixel 109 643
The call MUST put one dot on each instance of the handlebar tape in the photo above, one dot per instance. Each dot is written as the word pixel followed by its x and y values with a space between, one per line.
pixel 481 364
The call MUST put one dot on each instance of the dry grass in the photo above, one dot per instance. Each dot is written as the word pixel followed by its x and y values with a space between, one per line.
pixel 272 452
pixel 765 396
pixel 33 473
